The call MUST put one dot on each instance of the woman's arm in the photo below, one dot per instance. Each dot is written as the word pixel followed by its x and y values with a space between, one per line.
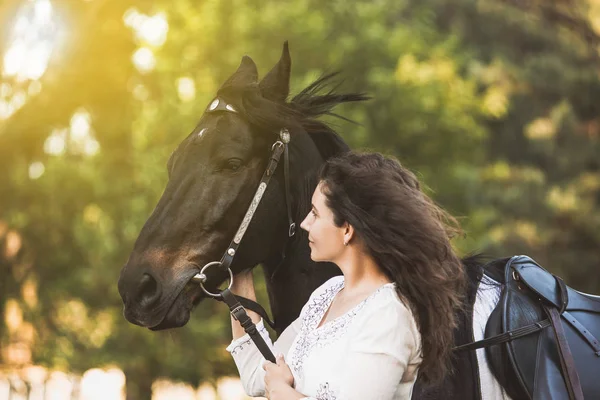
pixel 246 355
pixel 243 285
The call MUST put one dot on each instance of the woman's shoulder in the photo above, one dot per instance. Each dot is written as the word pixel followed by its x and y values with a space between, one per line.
pixel 386 305
pixel 388 320
pixel 332 283
pixel 320 295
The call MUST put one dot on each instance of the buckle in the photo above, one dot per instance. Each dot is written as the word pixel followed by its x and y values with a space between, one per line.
pixel 515 275
pixel 238 312
pixel 292 230
pixel 278 144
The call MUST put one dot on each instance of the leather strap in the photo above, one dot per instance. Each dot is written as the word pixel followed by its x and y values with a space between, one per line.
pixel 227 258
pixel 567 362
pixel 505 337
pixel 583 331
pixel 279 148
pixel 288 194
pixel 239 314
pixel 253 306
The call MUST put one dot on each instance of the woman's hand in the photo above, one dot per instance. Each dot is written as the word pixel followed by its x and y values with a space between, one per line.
pixel 278 379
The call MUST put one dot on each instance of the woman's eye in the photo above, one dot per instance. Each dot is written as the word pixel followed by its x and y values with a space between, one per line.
pixel 314 214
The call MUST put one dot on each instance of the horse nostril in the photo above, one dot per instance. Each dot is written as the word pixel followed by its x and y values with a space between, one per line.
pixel 148 292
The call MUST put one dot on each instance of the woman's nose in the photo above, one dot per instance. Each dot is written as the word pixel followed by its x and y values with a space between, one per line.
pixel 304 225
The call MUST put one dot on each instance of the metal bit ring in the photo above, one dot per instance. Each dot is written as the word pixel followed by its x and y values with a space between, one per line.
pixel 200 278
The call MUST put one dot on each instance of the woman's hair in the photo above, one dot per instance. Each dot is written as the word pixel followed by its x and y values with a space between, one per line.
pixel 408 236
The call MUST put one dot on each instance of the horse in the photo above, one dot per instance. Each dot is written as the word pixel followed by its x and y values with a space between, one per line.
pixel 213 174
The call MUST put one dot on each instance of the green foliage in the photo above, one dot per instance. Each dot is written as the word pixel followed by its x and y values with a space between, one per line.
pixel 493 104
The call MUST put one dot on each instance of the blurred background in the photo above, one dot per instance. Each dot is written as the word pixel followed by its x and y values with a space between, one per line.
pixel 494 103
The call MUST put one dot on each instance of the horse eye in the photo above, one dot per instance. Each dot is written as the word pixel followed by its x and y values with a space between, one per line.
pixel 233 164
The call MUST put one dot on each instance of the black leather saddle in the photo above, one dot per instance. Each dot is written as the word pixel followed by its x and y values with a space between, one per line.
pixel 541 340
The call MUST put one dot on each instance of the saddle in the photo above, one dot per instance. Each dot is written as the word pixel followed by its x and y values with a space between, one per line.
pixel 541 340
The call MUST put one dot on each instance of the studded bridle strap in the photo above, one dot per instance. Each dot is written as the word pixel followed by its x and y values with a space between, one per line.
pixel 279 148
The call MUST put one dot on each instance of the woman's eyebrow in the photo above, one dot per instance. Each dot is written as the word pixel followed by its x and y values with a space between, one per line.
pixel 314 208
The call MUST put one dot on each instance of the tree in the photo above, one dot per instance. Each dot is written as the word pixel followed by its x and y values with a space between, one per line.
pixel 491 102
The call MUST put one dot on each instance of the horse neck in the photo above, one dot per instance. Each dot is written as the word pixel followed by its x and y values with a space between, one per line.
pixel 291 281
pixel 297 277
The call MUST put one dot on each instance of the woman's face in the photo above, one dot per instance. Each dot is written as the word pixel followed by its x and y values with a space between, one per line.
pixel 326 240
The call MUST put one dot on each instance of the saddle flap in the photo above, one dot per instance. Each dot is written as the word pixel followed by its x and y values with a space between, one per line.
pixel 543 284
pixel 540 281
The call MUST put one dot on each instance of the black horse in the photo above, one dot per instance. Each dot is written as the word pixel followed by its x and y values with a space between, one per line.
pixel 213 175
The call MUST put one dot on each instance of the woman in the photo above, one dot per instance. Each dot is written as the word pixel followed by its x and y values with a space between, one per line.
pixel 366 333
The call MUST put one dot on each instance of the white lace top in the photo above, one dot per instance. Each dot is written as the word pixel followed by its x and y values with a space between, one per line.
pixel 371 352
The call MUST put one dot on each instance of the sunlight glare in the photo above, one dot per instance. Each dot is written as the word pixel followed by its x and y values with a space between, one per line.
pixel 59 386
pixel 97 384
pixel 56 143
pixel 144 60
pixel 148 29
pixel 91 147
pixel 230 388
pixel 206 392
pixel 13 316
pixel 6 109
pixel 33 37
pixel 36 170
pixel 163 389
pixel 80 125
pixel 35 374
pixel 4 388
pixel 81 134
pixel 18 100
pixel 78 138
pixel 186 88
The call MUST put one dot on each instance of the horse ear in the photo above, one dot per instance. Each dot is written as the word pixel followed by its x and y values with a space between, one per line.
pixel 245 74
pixel 275 85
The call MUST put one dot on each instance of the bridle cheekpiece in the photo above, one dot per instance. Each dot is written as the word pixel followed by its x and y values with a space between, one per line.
pixel 279 148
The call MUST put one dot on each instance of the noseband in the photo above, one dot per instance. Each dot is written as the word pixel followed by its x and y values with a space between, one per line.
pixel 279 148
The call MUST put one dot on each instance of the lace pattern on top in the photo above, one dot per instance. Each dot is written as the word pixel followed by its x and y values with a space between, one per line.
pixel 240 346
pixel 311 337
pixel 324 393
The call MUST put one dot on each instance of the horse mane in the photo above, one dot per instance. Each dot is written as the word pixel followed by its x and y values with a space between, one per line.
pixel 300 114
pixel 311 103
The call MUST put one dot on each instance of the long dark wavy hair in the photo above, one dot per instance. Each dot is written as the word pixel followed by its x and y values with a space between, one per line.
pixel 408 236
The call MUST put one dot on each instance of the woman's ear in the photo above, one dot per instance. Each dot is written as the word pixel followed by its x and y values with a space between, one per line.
pixel 348 233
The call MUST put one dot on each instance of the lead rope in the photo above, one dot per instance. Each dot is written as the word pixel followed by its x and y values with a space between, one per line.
pixel 238 312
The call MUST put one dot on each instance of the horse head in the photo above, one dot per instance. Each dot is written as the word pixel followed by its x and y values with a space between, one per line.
pixel 213 175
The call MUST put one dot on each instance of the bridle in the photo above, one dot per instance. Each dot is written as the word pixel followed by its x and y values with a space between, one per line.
pixel 236 303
